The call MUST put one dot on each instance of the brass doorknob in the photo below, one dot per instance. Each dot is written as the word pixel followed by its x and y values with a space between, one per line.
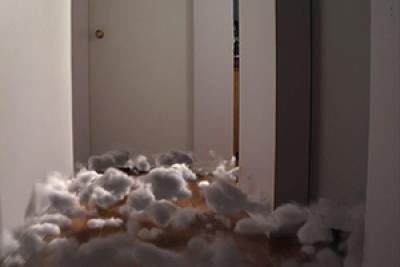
pixel 99 34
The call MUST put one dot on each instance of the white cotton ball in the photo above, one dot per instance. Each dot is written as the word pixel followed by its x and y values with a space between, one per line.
pixel 100 163
pixel 62 201
pixel 142 164
pixel 184 170
pixel 167 183
pixel 102 223
pixel 57 243
pixel 174 156
pixel 39 201
pixel 116 182
pixel 107 190
pixel 220 253
pixel 226 254
pixel 57 181
pixel 14 261
pixel 133 224
pixel 248 226
pixel 149 235
pixel 283 218
pixel 290 214
pixel 203 184
pixel 224 197
pixel 114 222
pixel 161 212
pixel 334 215
pixel 120 156
pixel 222 173
pixel 141 198
pixel 8 243
pixel 44 229
pixel 82 180
pixel 57 219
pixel 102 198
pixel 146 254
pixel 314 231
pixel 111 159
pixel 184 217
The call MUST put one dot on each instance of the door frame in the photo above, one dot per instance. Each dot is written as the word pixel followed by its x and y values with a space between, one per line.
pixel 293 100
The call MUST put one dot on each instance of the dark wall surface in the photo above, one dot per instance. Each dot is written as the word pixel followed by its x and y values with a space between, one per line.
pixel 340 103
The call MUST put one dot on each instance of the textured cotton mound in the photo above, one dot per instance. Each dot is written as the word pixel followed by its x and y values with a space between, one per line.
pixel 168 183
pixel 169 216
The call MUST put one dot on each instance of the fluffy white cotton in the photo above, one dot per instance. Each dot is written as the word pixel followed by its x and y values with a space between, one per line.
pixel 52 196
pixel 44 229
pixel 149 255
pixel 141 198
pixel 102 198
pixel 285 217
pixel 133 225
pixel 82 180
pixel 184 170
pixel 168 183
pixel 14 261
pixel 222 173
pixel 32 243
pixel 8 243
pixel 57 181
pixel 121 156
pixel 104 223
pixel 100 163
pixel 161 212
pixel 149 234
pixel 224 197
pixel 116 182
pixel 334 215
pixel 174 156
pixel 111 159
pixel 38 202
pixel 62 201
pixel 184 217
pixel 141 163
pixel 116 250
pixel 314 231
pixel 290 215
pixel 58 219
pixel 113 222
pixel 248 226
pixel 203 184
pixel 108 189
pixel 220 253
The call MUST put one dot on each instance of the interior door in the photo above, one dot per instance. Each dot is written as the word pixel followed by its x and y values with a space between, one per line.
pixel 140 75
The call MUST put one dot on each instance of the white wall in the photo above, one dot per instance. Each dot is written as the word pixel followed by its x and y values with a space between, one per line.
pixel 258 97
pixel 213 77
pixel 35 98
pixel 383 187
